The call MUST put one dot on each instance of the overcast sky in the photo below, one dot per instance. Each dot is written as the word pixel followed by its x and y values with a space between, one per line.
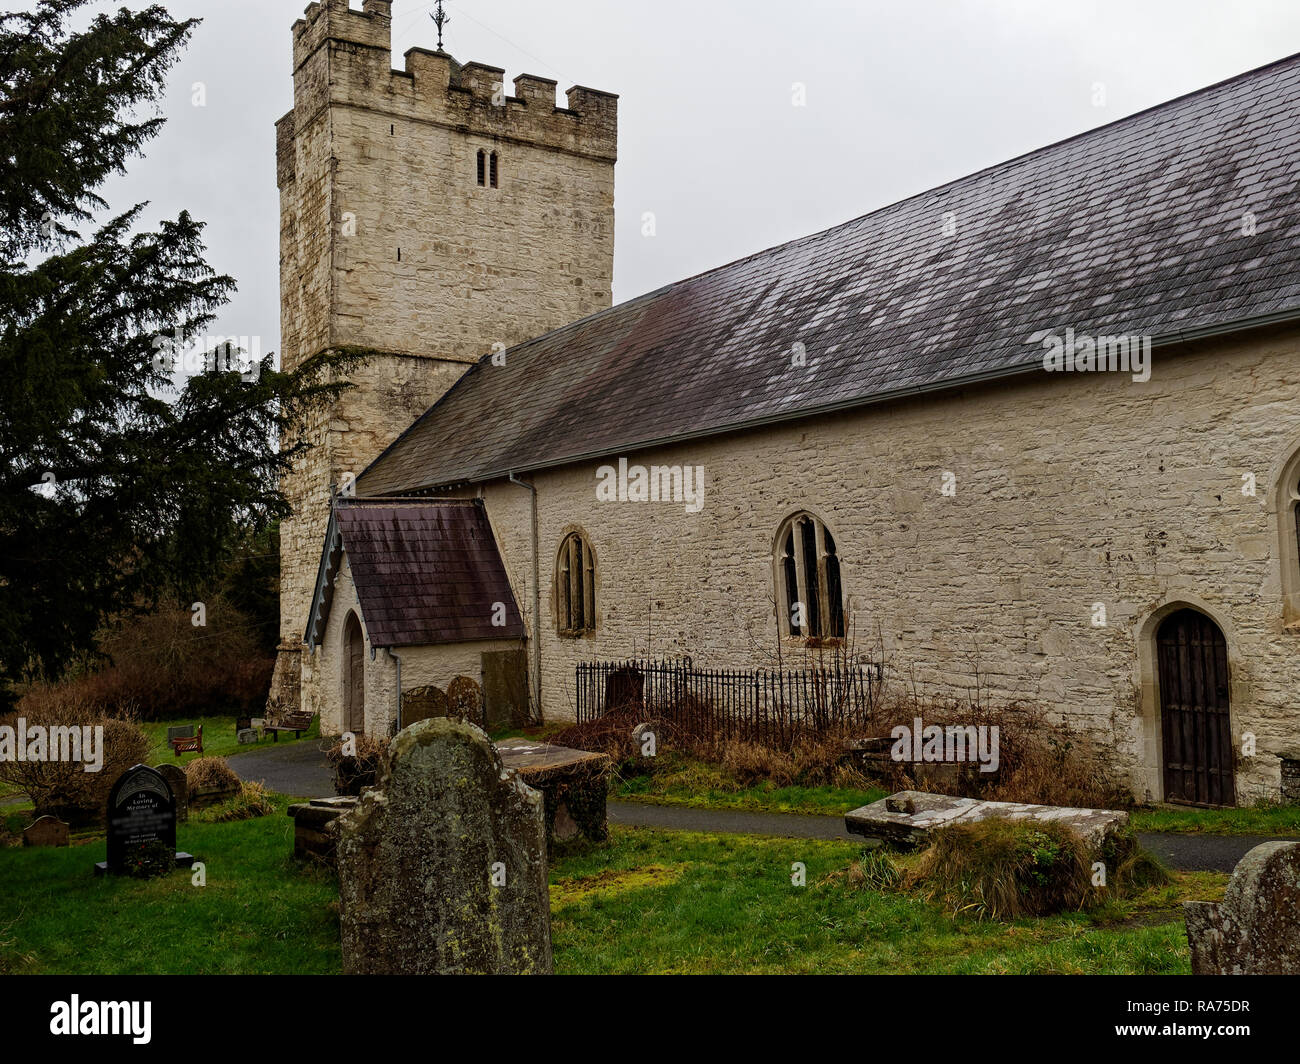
pixel 901 96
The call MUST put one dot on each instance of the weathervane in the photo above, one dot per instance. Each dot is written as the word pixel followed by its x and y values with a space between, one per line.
pixel 440 19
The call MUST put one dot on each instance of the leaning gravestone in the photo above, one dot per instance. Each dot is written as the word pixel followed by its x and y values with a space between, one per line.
pixel 180 785
pixel 46 831
pixel 1256 928
pixel 442 865
pixel 141 809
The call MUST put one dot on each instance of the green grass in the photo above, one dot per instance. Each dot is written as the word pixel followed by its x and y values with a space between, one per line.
pixel 679 780
pixel 731 907
pixel 650 901
pixel 684 781
pixel 1266 818
pixel 257 913
pixel 218 738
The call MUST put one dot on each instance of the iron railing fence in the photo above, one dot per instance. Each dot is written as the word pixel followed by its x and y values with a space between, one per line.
pixel 774 706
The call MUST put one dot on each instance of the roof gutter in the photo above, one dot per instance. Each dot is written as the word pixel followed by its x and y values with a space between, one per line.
pixel 537 597
pixel 876 398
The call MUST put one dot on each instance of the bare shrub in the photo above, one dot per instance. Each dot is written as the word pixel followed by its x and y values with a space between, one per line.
pixel 161 666
pixel 1040 761
pixel 210 773
pixel 64 788
pixel 353 772
pixel 253 800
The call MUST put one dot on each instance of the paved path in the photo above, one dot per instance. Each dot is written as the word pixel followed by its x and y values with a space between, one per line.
pixel 298 769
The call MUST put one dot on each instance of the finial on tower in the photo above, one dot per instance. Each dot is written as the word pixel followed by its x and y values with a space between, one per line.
pixel 440 19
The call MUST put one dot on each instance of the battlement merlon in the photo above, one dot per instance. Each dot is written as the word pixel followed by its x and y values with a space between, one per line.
pixel 356 70
pixel 334 20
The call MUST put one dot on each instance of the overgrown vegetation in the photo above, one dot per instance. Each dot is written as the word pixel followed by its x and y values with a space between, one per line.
pixel 253 800
pixel 1040 761
pixel 356 767
pixel 210 774
pixel 160 666
pixel 1005 869
pixel 63 788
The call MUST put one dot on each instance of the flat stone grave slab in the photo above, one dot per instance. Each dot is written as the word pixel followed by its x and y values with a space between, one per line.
pixel 572 783
pixel 908 817
pixel 310 839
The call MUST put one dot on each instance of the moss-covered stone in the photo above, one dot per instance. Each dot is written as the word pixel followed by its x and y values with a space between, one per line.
pixel 442 866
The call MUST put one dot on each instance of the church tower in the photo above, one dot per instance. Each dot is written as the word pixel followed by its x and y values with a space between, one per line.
pixel 427 215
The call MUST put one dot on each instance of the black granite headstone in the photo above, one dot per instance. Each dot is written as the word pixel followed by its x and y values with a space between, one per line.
pixel 141 809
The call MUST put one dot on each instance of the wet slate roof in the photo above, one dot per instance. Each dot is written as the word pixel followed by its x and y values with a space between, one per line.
pixel 1135 228
pixel 425 574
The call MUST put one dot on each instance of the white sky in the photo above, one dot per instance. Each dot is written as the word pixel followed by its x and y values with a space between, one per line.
pixel 901 96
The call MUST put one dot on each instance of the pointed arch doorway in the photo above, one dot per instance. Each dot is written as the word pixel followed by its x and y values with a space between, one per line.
pixel 354 677
pixel 1195 715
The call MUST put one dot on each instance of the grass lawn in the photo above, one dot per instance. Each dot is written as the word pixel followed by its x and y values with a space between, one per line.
pixel 679 780
pixel 650 901
pixel 256 914
pixel 685 781
pixel 218 738
pixel 674 902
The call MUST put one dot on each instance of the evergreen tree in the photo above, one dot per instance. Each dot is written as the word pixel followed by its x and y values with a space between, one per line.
pixel 115 487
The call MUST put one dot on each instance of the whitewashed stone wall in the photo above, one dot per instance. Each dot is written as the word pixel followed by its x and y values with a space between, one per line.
pixel 388 243
pixel 1070 491
pixel 420 666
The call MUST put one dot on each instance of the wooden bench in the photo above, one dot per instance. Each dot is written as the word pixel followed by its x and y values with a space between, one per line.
pixel 294 722
pixel 186 744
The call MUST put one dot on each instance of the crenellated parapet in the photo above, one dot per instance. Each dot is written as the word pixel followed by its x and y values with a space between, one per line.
pixel 353 51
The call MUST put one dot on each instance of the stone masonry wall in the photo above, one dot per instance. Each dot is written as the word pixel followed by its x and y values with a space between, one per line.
pixel 1070 491
pixel 421 667
pixel 388 243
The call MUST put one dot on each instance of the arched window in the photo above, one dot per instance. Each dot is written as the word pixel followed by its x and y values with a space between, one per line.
pixel 575 587
pixel 494 168
pixel 809 582
pixel 482 167
pixel 1285 504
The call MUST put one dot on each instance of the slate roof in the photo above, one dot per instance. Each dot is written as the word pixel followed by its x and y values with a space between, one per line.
pixel 425 574
pixel 1132 228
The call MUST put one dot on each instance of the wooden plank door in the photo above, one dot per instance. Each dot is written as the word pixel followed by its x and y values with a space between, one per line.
pixel 354 701
pixel 1194 713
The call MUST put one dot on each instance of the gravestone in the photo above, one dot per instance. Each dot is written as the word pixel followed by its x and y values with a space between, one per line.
pixel 311 837
pixel 573 785
pixel 442 865
pixel 46 831
pixel 246 736
pixel 180 785
pixel 421 703
pixel 141 809
pixel 505 689
pixel 1255 930
pixel 465 700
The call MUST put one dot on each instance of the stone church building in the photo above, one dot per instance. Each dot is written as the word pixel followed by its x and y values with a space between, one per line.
pixel 1039 425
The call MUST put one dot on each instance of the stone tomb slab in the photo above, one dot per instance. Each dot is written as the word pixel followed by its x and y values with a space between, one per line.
pixel 908 817
pixel 310 819
pixel 572 782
